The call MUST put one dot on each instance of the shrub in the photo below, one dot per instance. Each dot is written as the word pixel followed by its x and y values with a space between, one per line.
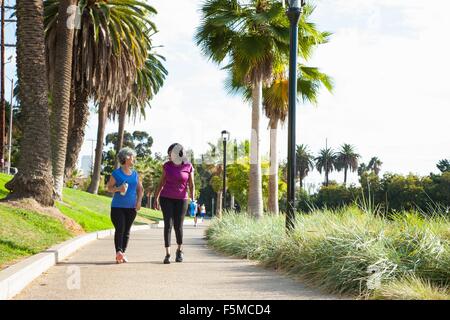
pixel 334 196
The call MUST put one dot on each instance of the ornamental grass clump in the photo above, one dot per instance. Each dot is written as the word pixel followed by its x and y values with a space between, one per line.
pixel 420 247
pixel 246 237
pixel 347 251
pixel 411 288
pixel 338 251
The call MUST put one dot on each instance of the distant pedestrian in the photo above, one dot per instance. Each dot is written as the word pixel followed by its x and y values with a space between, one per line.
pixel 203 211
pixel 171 196
pixel 128 191
pixel 193 211
pixel 197 214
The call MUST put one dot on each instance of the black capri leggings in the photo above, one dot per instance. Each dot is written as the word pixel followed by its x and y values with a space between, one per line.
pixel 122 219
pixel 173 213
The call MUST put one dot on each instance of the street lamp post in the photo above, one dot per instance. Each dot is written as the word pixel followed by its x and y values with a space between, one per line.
pixel 293 12
pixel 10 114
pixel 11 110
pixel 225 138
pixel 2 85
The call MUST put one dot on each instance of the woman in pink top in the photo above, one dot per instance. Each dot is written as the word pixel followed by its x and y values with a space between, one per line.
pixel 172 196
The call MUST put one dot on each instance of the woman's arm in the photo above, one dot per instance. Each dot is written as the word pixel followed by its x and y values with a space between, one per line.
pixel 111 186
pixel 140 193
pixel 162 181
pixel 192 185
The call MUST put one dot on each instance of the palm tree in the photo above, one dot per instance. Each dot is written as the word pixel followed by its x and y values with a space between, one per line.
pixel 362 168
pixel 149 170
pixel 347 158
pixel 304 162
pixel 375 165
pixel 78 118
pixel 109 48
pixel 34 178
pixel 327 162
pixel 60 90
pixel 148 82
pixel 275 102
pixel 443 165
pixel 254 36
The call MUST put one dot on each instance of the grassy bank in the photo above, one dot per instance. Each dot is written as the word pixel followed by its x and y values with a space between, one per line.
pixel 24 232
pixel 92 211
pixel 348 251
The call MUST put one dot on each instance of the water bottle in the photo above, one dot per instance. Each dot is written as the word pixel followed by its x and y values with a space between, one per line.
pixel 126 188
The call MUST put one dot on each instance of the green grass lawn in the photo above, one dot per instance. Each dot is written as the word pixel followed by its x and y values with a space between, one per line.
pixel 24 233
pixel 92 211
pixel 4 178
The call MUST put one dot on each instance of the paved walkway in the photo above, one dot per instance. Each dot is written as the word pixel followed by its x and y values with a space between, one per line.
pixel 203 275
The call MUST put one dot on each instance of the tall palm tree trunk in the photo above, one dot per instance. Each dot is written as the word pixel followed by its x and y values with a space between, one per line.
pixel 273 175
pixel 102 117
pixel 149 199
pixel 76 134
pixel 61 95
pixel 122 119
pixel 219 205
pixel 71 110
pixel 34 177
pixel 345 176
pixel 255 203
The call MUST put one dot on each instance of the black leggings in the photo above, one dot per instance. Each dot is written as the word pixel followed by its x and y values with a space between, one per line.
pixel 122 219
pixel 173 213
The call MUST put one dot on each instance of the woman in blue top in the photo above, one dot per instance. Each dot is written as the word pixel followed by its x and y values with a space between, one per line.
pixel 128 192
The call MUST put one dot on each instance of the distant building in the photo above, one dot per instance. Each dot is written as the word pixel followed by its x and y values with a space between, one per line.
pixel 86 165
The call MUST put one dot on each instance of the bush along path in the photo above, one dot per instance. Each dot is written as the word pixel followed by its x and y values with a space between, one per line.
pixel 347 251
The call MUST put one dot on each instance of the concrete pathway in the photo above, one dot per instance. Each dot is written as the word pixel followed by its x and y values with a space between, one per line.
pixel 91 273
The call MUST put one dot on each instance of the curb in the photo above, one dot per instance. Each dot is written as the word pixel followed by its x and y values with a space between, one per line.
pixel 16 277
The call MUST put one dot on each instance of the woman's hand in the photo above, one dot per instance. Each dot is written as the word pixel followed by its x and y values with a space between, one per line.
pixel 156 204
pixel 138 206
pixel 121 189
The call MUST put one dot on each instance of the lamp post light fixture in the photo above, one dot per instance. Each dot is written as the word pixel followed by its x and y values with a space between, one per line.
pixel 293 12
pixel 225 138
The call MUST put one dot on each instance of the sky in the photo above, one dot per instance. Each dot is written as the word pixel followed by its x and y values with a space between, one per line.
pixel 389 62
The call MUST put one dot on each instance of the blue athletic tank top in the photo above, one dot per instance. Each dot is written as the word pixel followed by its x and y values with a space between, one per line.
pixel 129 199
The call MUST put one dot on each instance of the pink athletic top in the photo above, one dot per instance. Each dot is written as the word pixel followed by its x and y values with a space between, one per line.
pixel 177 177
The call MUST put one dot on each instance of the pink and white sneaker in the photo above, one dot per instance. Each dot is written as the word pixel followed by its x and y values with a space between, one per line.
pixel 119 257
